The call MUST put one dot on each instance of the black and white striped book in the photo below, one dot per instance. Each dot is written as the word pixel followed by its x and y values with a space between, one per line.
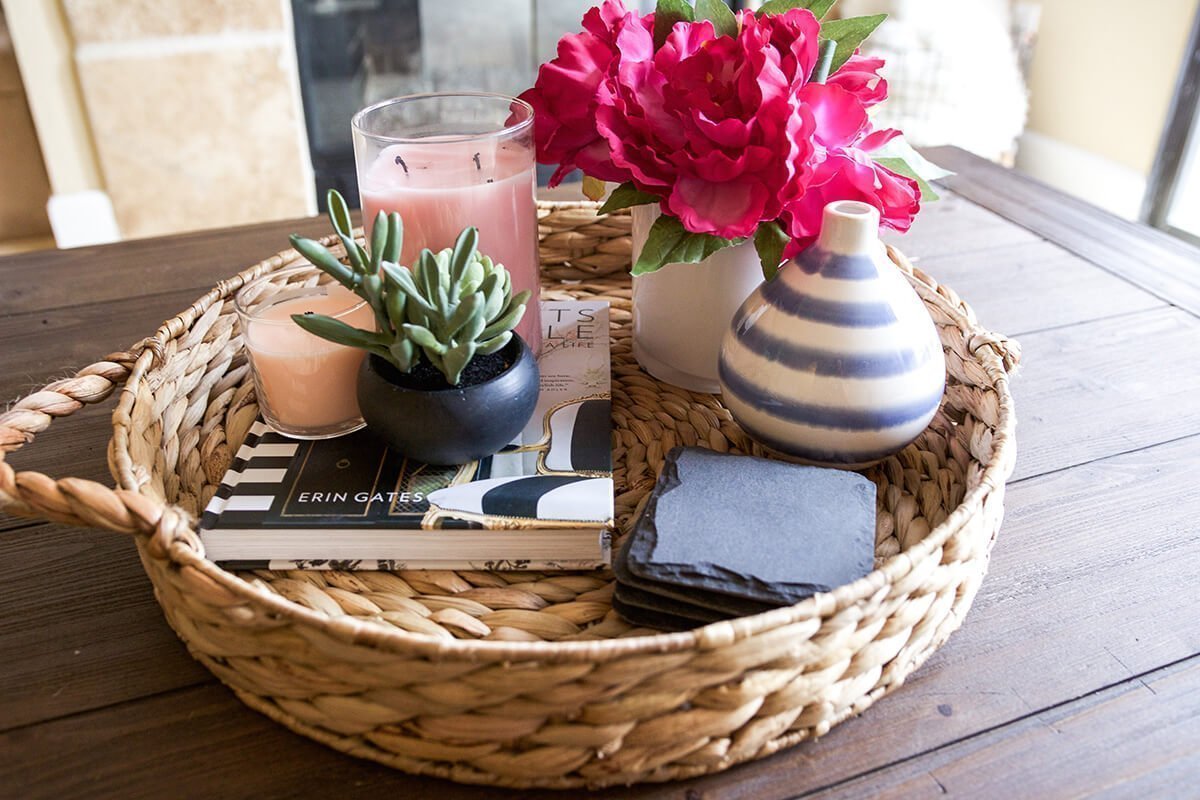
pixel 544 502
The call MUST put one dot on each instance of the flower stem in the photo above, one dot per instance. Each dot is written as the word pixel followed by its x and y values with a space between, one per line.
pixel 824 62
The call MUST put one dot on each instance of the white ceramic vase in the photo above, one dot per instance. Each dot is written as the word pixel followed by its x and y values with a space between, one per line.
pixel 681 312
pixel 836 361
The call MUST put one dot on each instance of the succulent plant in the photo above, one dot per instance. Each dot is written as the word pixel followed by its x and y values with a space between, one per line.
pixel 454 305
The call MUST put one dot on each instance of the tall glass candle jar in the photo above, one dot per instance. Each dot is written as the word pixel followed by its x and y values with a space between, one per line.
pixel 305 384
pixel 445 161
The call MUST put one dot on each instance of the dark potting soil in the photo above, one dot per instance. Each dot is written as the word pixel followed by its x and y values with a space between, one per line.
pixel 425 377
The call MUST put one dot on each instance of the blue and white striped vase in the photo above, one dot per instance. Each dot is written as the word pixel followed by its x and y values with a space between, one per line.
pixel 836 361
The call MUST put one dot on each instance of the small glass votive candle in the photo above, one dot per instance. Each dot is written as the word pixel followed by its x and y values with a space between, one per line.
pixel 448 160
pixel 306 385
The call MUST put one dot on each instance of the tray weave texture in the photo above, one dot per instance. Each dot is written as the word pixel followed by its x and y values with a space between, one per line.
pixel 530 679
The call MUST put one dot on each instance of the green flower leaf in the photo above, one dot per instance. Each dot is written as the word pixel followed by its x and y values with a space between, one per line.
pixel 902 167
pixel 666 14
pixel 819 8
pixel 849 34
pixel 668 242
pixel 626 196
pixel 769 240
pixel 716 12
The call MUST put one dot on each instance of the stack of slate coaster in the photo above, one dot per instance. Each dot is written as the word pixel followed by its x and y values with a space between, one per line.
pixel 726 536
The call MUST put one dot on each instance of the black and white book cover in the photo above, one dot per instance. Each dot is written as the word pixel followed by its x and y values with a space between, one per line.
pixel 347 502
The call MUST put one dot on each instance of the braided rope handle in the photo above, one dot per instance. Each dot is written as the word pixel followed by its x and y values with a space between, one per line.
pixel 71 501
pixel 85 503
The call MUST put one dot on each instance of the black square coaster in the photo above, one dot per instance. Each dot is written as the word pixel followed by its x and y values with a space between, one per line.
pixel 751 528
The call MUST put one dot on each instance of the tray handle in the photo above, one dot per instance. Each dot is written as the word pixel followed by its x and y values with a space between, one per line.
pixel 71 501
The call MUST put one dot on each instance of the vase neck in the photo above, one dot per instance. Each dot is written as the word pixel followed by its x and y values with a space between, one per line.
pixel 849 227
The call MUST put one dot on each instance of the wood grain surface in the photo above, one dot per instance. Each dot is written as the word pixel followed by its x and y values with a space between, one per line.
pixel 1076 673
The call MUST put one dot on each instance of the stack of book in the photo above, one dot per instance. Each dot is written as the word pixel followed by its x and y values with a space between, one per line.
pixel 545 502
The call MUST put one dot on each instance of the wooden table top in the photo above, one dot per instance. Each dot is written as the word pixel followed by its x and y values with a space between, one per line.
pixel 1076 672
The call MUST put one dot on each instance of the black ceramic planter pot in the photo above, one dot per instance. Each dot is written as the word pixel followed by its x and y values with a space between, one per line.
pixel 454 425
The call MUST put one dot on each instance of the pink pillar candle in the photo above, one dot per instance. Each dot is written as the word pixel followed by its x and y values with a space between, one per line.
pixel 306 384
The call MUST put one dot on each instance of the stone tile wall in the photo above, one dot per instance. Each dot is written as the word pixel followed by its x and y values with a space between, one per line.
pixel 194 109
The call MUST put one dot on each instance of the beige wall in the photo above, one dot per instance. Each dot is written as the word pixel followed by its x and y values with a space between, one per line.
pixel 25 187
pixel 1104 72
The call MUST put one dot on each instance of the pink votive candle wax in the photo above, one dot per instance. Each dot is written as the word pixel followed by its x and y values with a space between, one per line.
pixel 306 385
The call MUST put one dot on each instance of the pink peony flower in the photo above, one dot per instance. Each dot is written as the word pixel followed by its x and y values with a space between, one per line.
pixel 726 130
pixel 714 124
pixel 860 76
pixel 565 96
pixel 844 169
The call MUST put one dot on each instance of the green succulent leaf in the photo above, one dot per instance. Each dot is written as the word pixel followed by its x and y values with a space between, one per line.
pixel 340 333
pixel 666 14
pixel 668 242
pixel 395 240
pixel 507 321
pixel 519 300
pixel 456 360
pixel 473 277
pixel 716 12
pixel 849 34
pixel 379 239
pixel 928 195
pixel 398 278
pixel 470 307
pixel 425 339
pixel 464 249
pixel 325 261
pixel 403 354
pixel 626 196
pixel 475 325
pixel 492 289
pixel 426 275
pixel 495 344
pixel 352 254
pixel 770 240
pixel 819 8
pixel 396 304
pixel 339 212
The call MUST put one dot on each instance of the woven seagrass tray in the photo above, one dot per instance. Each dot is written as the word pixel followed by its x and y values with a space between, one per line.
pixel 529 679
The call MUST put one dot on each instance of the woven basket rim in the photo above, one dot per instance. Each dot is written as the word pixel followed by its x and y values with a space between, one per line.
pixel 183 547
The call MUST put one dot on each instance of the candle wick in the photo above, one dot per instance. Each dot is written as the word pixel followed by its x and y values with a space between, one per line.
pixel 400 161
pixel 475 158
